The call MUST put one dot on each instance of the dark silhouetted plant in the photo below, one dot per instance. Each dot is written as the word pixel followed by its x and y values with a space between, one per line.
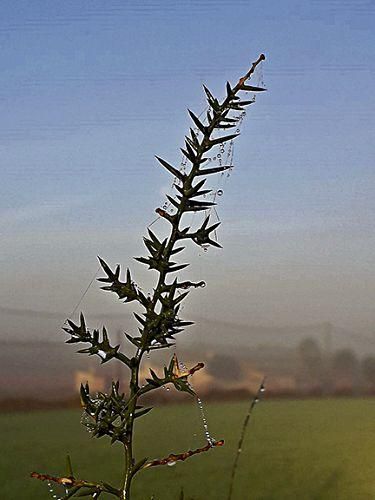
pixel 114 414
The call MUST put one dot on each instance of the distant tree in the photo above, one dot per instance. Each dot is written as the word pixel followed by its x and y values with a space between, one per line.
pixel 368 371
pixel 311 363
pixel 224 367
pixel 345 361
pixel 345 367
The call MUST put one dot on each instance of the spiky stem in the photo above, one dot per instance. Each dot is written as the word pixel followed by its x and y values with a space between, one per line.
pixel 175 221
pixel 114 414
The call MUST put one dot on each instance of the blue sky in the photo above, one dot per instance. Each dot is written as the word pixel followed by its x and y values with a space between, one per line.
pixel 91 91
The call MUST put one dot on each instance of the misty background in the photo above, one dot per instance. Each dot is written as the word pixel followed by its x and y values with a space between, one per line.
pixel 89 93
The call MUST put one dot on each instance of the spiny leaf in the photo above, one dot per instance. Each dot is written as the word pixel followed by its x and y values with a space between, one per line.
pixel 105 266
pixel 198 208
pixel 139 318
pixel 173 201
pixel 251 88
pixel 197 203
pixel 191 143
pixel 171 169
pixel 225 126
pixel 214 170
pixel 239 106
pixel 194 137
pixel 225 138
pixel 197 122
pixel 229 90
pixel 210 97
pixel 143 260
pixel 134 340
pixel 177 268
pixel 177 250
pixel 229 120
pixel 190 155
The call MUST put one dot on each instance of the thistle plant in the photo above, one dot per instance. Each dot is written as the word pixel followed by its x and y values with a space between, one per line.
pixel 116 413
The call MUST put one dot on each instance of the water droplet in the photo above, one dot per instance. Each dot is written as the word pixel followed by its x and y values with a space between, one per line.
pixel 220 192
pixel 168 388
pixel 262 389
pixel 171 464
pixel 102 354
pixel 203 284
pixel 209 438
pixel 219 155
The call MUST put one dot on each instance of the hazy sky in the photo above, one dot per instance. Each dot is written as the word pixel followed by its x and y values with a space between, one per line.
pixel 90 91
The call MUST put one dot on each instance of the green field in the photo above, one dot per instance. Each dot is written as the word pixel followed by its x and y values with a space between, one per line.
pixel 323 449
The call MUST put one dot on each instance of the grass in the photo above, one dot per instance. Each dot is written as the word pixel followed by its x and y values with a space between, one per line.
pixel 318 449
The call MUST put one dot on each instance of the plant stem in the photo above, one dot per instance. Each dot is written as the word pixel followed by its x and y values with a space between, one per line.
pixel 245 424
pixel 173 238
pixel 128 443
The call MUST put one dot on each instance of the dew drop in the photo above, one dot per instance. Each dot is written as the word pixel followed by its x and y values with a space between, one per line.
pixel 207 434
pixel 171 464
pixel 220 192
